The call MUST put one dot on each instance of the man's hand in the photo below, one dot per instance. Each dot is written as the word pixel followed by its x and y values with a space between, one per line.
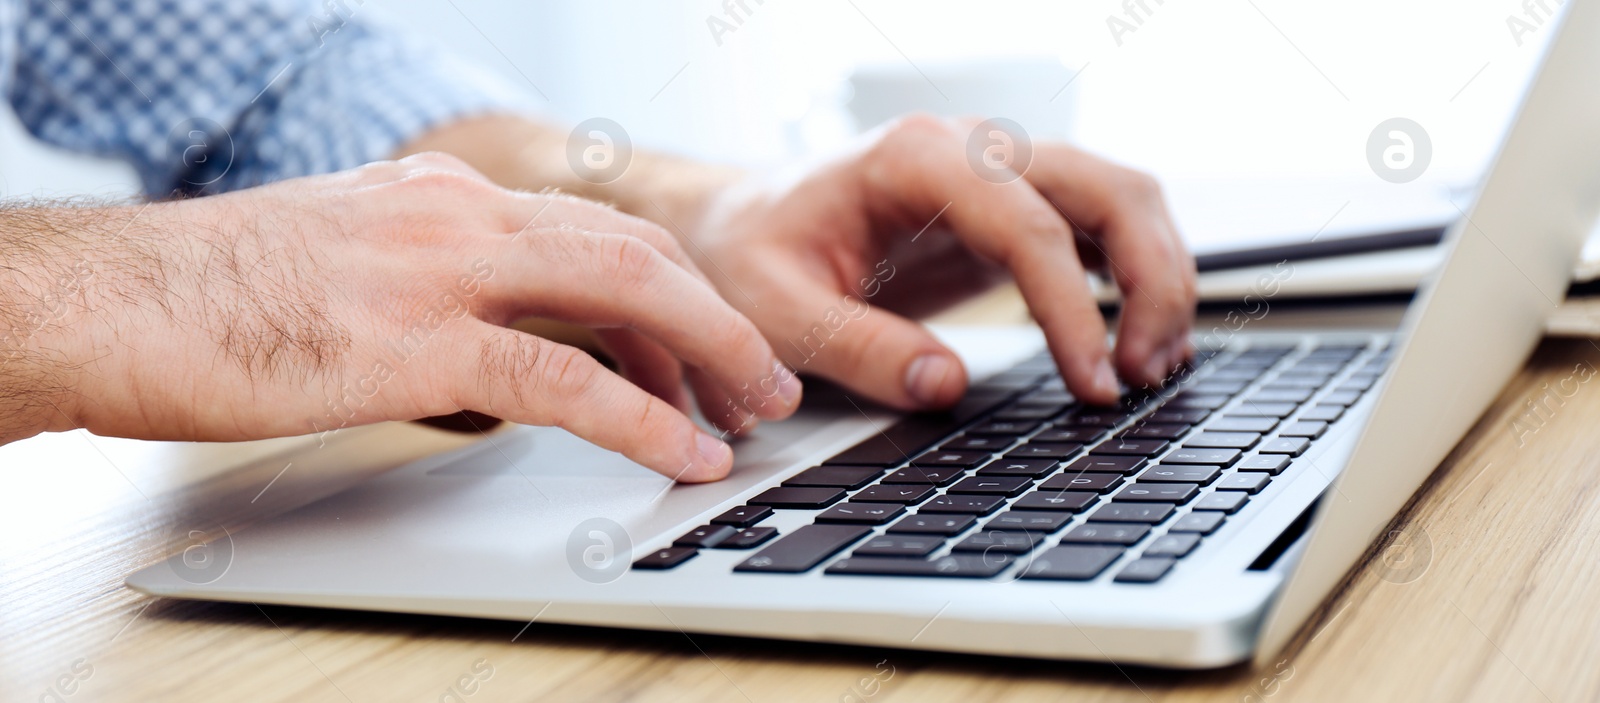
pixel 906 225
pixel 373 294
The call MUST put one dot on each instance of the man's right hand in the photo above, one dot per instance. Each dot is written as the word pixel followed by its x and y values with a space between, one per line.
pixel 374 294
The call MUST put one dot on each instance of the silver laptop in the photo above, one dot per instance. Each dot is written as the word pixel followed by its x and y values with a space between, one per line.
pixel 1193 526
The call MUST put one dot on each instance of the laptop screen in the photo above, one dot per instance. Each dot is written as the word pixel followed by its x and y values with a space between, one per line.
pixel 1474 323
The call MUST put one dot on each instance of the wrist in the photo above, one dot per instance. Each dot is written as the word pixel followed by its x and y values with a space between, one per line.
pixel 49 304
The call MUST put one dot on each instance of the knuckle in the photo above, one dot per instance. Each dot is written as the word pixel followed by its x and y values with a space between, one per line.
pixel 918 125
pixel 510 360
pixel 1142 186
pixel 454 182
pixel 629 260
pixel 566 372
pixel 383 170
pixel 436 159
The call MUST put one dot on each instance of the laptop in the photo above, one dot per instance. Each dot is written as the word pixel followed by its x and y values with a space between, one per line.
pixel 1193 526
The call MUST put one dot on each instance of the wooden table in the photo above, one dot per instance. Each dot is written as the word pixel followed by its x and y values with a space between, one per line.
pixel 1489 592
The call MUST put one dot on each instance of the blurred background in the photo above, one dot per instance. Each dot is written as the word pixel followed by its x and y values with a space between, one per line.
pixel 1255 113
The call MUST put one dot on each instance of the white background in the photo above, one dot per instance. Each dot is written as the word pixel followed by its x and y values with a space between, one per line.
pixel 1245 91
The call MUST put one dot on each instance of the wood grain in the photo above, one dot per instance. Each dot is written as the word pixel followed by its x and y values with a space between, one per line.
pixel 1487 593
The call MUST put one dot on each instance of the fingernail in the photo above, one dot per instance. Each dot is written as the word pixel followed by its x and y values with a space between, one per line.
pixel 926 376
pixel 713 452
pixel 788 384
pixel 1105 379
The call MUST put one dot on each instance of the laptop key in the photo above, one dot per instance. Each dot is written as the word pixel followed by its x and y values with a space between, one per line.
pixel 1309 382
pixel 992 485
pixel 1039 450
pixel 1179 416
pixel 898 546
pixel 1071 501
pixel 1219 387
pixel 940 459
pixel 1071 563
pixel 798 498
pixel 1271 463
pixel 1304 428
pixel 979 566
pixel 1145 570
pixel 851 477
pixel 665 558
pixel 967 504
pixel 1203 523
pixel 1031 520
pixel 1194 400
pixel 1106 464
pixel 1225 501
pixel 1277 410
pixel 1157 493
pixel 1077 435
pixel 1031 468
pixel 1279 395
pixel 1178 473
pixel 1345 398
pixel 748 538
pixel 1247 482
pixel 1154 430
pixel 704 536
pixel 1132 447
pixel 1094 417
pixel 946 525
pixel 1223 440
pixel 743 516
pixel 1006 428
pixel 924 475
pixel 862 513
pixel 803 549
pixel 1000 541
pixel 1026 413
pixel 914 433
pixel 1105 533
pixel 1099 483
pixel 1215 457
pixel 1172 545
pixel 1237 423
pixel 976 443
pixel 1149 513
pixel 1323 413
pixel 905 494
pixel 1293 446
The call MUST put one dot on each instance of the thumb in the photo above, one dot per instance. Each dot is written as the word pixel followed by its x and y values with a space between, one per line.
pixel 867 349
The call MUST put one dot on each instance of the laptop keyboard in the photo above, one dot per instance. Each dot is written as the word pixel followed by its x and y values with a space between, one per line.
pixel 1021 480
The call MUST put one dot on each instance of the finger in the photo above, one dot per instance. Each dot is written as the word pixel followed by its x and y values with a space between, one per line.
pixel 613 280
pixel 890 359
pixel 529 214
pixel 646 364
pixel 525 379
pixel 921 167
pixel 719 407
pixel 1125 218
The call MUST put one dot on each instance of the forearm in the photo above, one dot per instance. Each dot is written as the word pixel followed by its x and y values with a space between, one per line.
pixel 525 154
pixel 53 260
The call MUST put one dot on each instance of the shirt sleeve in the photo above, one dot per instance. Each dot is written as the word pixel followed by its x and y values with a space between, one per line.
pixel 214 95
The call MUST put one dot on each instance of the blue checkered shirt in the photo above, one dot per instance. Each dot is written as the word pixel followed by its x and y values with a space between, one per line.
pixel 212 95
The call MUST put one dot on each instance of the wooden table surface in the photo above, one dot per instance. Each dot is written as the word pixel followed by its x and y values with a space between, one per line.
pixel 1488 592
